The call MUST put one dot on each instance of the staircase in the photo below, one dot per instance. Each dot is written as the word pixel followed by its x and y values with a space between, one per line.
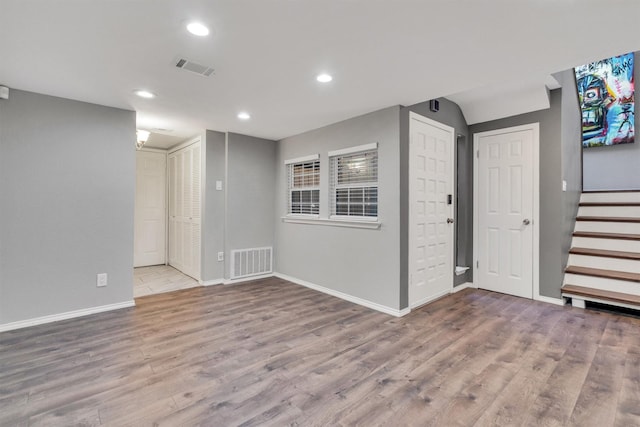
pixel 604 260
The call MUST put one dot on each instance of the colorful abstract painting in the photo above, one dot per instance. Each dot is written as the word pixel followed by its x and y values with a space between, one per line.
pixel 606 96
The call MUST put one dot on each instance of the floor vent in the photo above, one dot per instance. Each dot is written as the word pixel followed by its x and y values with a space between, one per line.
pixel 203 70
pixel 251 262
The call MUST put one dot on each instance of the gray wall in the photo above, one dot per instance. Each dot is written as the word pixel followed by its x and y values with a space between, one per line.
pixel 451 115
pixel 250 193
pixel 67 182
pixel 571 157
pixel 360 262
pixel 551 196
pixel 614 167
pixel 214 207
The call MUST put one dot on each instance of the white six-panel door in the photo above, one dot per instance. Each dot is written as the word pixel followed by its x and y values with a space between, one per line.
pixel 431 157
pixel 504 200
pixel 150 209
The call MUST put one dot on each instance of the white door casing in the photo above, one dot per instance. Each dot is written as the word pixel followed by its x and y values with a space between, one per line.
pixel 150 209
pixel 431 228
pixel 506 210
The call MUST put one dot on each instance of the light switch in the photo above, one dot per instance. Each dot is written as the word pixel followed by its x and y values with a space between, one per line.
pixel 219 185
pixel 564 185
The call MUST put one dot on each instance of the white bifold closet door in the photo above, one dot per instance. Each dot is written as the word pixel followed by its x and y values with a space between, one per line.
pixel 184 210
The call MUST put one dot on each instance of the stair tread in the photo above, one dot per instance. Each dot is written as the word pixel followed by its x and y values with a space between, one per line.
pixel 610 191
pixel 599 272
pixel 613 204
pixel 600 235
pixel 608 219
pixel 606 253
pixel 601 294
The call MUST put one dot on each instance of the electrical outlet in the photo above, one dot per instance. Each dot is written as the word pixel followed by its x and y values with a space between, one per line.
pixel 220 256
pixel 101 280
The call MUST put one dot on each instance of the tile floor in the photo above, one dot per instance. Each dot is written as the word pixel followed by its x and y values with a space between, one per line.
pixel 158 279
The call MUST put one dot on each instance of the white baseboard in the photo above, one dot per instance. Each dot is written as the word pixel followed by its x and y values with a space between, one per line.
pixel 346 297
pixel 247 279
pixel 64 316
pixel 211 282
pixel 463 286
pixel 550 300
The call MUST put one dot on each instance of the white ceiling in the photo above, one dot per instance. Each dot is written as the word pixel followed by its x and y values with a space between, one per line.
pixel 266 53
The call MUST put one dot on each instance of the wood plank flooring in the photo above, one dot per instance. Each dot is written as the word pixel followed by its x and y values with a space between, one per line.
pixel 272 353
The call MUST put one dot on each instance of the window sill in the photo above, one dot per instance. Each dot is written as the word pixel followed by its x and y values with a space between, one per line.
pixel 333 222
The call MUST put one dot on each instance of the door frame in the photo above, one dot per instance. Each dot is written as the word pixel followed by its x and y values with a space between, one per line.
pixel 451 190
pixel 535 222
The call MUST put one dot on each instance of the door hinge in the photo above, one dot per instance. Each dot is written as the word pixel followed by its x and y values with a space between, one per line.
pixel 478 154
pixel 477 264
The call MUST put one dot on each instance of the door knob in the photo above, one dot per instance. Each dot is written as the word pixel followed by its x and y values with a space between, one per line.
pixel 526 221
pixel 449 220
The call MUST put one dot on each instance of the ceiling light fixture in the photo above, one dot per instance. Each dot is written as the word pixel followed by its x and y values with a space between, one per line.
pixel 144 94
pixel 244 116
pixel 324 78
pixel 197 29
pixel 142 136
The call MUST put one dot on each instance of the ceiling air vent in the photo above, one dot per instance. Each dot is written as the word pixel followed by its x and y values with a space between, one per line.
pixel 203 70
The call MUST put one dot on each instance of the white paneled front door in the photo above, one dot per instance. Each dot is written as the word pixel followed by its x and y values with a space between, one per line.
pixel 150 209
pixel 504 203
pixel 431 157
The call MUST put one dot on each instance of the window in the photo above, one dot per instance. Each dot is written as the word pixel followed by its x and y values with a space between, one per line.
pixel 304 186
pixel 354 182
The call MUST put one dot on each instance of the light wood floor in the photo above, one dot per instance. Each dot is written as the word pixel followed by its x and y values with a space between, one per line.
pixel 273 353
pixel 158 279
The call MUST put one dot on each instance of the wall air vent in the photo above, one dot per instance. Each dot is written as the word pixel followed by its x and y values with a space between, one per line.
pixel 203 70
pixel 251 262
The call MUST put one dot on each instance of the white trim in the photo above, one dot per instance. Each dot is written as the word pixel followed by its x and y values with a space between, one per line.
pixel 430 298
pixel 351 150
pixel 211 282
pixel 580 300
pixel 463 286
pixel 302 159
pixel 153 149
pixel 535 222
pixel 64 316
pixel 451 190
pixel 333 222
pixel 247 278
pixel 549 300
pixel 346 297
pixel 301 216
pixel 184 144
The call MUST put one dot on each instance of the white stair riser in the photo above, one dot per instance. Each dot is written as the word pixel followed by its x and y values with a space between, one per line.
pixel 617 211
pixel 617 264
pixel 611 197
pixel 608 244
pixel 623 286
pixel 609 227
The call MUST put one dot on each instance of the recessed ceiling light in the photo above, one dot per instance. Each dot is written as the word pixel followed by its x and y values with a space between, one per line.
pixel 144 94
pixel 197 29
pixel 324 78
pixel 244 116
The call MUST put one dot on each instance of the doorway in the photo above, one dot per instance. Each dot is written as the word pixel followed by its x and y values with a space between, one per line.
pixel 506 210
pixel 431 214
